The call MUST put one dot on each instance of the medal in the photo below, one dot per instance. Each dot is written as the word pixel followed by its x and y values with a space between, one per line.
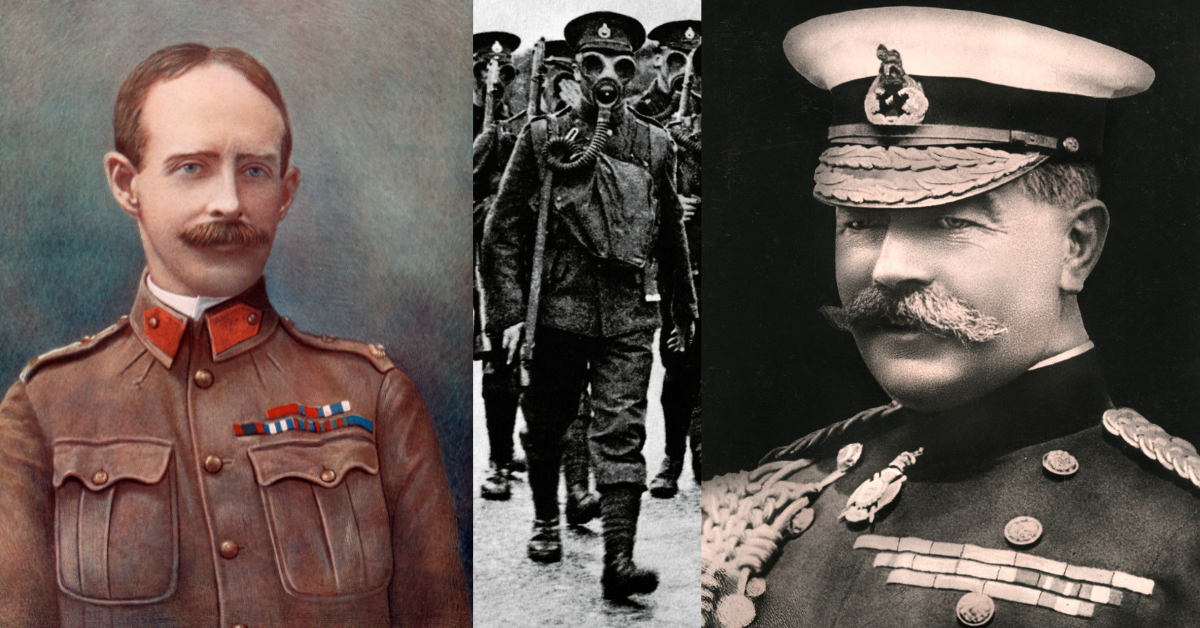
pixel 879 491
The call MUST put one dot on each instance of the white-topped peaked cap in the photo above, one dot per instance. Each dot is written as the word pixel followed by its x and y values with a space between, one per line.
pixel 829 50
pixel 933 105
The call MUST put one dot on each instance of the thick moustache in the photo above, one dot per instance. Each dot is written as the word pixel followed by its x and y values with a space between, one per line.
pixel 930 308
pixel 218 233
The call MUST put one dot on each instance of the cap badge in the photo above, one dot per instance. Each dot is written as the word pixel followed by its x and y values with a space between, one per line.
pixel 496 47
pixel 689 33
pixel 605 32
pixel 895 98
pixel 880 490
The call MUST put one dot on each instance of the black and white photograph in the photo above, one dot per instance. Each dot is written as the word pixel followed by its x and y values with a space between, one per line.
pixel 951 325
pixel 586 213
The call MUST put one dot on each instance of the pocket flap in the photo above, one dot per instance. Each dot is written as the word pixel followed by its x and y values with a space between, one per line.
pixel 100 464
pixel 320 462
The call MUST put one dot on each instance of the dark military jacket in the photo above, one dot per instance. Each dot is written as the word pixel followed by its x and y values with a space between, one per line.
pixel 1118 542
pixel 584 292
pixel 129 500
pixel 491 153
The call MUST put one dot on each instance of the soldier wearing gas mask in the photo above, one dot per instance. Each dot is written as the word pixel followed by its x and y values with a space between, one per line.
pixel 561 92
pixel 585 239
pixel 676 41
pixel 679 71
pixel 493 69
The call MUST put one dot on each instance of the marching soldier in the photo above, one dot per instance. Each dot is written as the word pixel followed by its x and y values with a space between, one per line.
pixel 1001 484
pixel 679 69
pixel 493 71
pixel 676 41
pixel 580 277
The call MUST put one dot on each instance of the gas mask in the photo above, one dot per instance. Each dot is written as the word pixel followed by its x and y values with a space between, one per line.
pixel 672 70
pixel 505 74
pixel 604 76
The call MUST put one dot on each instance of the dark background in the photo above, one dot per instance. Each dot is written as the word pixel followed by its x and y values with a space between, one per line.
pixel 377 244
pixel 774 370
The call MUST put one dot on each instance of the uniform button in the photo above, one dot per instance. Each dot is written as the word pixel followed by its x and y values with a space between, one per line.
pixel 975 609
pixel 212 464
pixel 239 626
pixel 203 379
pixel 251 318
pixel 328 475
pixel 152 322
pixel 229 549
pixel 100 477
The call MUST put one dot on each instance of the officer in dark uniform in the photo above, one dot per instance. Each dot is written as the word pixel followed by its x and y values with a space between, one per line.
pixel 681 386
pixel 492 148
pixel 600 184
pixel 1001 485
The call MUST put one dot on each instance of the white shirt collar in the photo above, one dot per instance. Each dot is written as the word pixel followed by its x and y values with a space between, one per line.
pixel 192 307
pixel 1065 355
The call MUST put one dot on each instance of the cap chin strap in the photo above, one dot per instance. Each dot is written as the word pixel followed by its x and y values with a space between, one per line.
pixel 942 135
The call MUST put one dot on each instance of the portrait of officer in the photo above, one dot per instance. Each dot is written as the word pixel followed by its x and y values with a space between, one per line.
pixel 203 461
pixel 1002 483
pixel 589 267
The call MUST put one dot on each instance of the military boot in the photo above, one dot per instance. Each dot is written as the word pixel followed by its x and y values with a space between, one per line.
pixel 666 483
pixel 582 505
pixel 497 485
pixel 619 508
pixel 545 546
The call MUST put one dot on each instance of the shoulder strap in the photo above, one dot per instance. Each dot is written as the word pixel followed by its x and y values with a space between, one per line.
pixel 84 346
pixel 373 353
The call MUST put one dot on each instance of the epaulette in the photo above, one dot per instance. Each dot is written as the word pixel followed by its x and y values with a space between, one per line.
pixel 1172 452
pixel 82 347
pixel 834 434
pixel 372 352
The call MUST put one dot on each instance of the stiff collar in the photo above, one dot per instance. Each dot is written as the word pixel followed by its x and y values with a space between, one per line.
pixel 1049 402
pixel 229 328
pixel 191 307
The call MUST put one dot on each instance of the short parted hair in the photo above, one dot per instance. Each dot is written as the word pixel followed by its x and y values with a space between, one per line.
pixel 172 62
pixel 1063 184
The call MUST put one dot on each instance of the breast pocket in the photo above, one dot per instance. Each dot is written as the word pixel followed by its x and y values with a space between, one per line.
pixel 116 521
pixel 327 516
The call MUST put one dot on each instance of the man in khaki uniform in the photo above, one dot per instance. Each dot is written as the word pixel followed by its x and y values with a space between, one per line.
pixel 202 462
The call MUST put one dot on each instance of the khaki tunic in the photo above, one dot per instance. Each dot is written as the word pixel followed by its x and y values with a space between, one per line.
pixel 127 500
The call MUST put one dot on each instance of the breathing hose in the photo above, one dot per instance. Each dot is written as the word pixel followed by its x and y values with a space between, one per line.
pixel 560 152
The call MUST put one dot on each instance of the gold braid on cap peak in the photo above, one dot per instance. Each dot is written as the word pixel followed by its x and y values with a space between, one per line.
pixel 1176 454
pixel 884 176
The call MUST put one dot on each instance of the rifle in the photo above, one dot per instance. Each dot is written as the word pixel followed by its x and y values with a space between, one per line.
pixel 537 75
pixel 538 135
pixel 489 99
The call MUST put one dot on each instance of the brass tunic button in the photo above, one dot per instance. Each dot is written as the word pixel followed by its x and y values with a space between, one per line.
pixel 213 464
pixel 229 549
pixel 377 351
pixel 1023 531
pixel 203 378
pixel 100 477
pixel 152 322
pixel 251 318
pixel 328 475
pixel 975 609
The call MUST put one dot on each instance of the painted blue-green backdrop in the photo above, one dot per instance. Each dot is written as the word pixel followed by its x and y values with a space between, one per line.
pixel 377 245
